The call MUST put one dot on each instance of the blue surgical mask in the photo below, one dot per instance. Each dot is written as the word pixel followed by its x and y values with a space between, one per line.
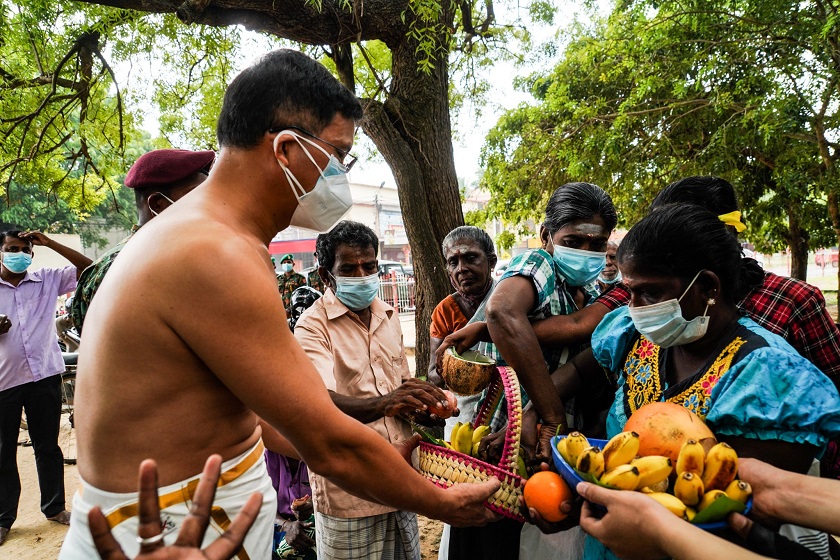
pixel 17 262
pixel 663 324
pixel 287 267
pixel 615 280
pixel 578 267
pixel 355 292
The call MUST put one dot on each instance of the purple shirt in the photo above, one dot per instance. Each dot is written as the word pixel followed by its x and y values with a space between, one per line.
pixel 29 351
pixel 289 485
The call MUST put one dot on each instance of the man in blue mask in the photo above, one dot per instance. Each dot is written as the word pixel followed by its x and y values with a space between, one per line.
pixel 30 368
pixel 355 341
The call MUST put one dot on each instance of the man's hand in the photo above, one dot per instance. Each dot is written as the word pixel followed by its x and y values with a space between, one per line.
pixel 5 324
pixel 464 504
pixel 192 530
pixel 462 340
pixel 633 524
pixel 413 395
pixel 36 237
pixel 297 537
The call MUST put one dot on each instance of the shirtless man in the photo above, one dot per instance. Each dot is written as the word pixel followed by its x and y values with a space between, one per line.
pixel 190 342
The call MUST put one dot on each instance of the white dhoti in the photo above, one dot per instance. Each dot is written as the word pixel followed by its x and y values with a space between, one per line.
pixel 241 477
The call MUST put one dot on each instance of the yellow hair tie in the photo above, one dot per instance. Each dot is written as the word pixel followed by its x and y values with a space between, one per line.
pixel 733 219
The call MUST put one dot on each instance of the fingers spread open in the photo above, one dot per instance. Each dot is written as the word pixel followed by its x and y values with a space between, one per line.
pixel 231 540
pixel 196 522
pixel 105 543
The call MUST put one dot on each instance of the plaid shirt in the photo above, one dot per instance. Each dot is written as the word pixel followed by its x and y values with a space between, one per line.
pixel 790 308
pixel 553 298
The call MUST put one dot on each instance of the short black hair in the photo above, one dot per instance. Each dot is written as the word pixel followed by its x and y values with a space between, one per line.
pixel 579 201
pixel 481 238
pixel 680 240
pixel 712 193
pixel 345 232
pixel 13 233
pixel 284 88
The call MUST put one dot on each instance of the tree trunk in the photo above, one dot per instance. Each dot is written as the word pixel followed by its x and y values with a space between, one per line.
pixel 834 213
pixel 798 242
pixel 412 130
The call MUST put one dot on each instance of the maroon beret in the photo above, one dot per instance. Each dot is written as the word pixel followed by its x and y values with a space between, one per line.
pixel 164 167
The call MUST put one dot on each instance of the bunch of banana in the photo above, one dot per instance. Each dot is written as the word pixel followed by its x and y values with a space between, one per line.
pixel 465 439
pixel 616 465
pixel 701 477
pixel 704 477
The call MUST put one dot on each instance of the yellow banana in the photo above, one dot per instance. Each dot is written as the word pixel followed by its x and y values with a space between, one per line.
pixel 564 451
pixel 672 503
pixel 480 432
pixel 691 458
pixel 621 449
pixel 661 486
pixel 453 435
pixel 623 477
pixel 591 461
pixel 739 490
pixel 720 467
pixel 652 469
pixel 689 488
pixel 463 443
pixel 448 445
pixel 576 442
pixel 474 450
pixel 690 512
pixel 710 497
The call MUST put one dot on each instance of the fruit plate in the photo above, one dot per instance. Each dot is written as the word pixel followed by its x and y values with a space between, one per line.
pixel 710 519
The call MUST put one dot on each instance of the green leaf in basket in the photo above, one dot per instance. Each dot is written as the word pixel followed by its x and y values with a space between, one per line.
pixel 427 437
pixel 718 510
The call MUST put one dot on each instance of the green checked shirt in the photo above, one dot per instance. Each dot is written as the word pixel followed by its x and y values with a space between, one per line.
pixel 553 298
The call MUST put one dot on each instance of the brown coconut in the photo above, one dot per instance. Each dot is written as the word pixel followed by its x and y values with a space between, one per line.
pixel 663 427
pixel 468 373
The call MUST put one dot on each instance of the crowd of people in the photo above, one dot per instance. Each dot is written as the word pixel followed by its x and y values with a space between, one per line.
pixel 309 428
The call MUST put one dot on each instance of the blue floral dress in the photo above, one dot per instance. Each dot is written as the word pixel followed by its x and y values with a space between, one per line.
pixel 756 386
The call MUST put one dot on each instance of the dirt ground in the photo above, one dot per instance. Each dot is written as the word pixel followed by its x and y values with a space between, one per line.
pixel 34 538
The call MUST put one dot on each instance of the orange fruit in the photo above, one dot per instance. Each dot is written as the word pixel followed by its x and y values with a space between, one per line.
pixel 544 492
pixel 663 427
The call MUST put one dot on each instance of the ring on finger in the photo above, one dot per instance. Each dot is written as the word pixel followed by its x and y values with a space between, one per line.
pixel 146 541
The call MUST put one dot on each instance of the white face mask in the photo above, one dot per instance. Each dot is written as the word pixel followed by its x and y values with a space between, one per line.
pixel 663 324
pixel 322 207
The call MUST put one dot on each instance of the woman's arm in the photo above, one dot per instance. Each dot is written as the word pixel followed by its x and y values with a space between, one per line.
pixel 511 331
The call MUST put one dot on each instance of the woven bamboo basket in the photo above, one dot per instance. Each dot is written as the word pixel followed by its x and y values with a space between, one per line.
pixel 446 467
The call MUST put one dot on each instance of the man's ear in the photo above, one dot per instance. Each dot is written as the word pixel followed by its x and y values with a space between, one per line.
pixel 492 262
pixel 158 202
pixel 325 277
pixel 280 145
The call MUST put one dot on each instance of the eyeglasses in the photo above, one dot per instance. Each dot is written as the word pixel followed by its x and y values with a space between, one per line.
pixel 343 153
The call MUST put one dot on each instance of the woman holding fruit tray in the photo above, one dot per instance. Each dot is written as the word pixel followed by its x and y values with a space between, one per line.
pixel 683 340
